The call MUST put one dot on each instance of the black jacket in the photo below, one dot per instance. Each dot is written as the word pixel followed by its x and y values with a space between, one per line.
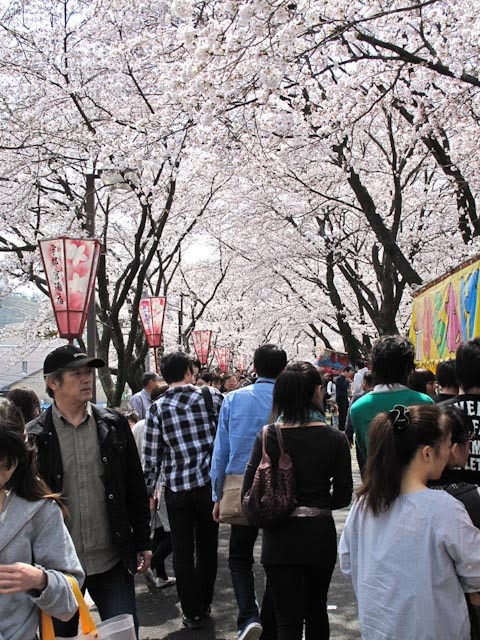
pixel 127 500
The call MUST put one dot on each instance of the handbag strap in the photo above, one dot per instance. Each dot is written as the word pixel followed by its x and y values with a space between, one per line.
pixel 266 460
pixel 278 429
pixel 86 620
pixel 284 461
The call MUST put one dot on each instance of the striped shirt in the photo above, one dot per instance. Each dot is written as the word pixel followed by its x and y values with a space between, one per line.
pixel 179 438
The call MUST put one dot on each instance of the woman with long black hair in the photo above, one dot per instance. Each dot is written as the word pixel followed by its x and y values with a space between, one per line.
pixel 410 551
pixel 299 554
pixel 36 550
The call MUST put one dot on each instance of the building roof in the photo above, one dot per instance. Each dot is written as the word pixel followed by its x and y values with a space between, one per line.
pixel 20 362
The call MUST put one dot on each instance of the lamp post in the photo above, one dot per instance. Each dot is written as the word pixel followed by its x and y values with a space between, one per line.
pixel 201 343
pixel 70 266
pixel 114 180
pixel 90 229
pixel 152 313
pixel 180 323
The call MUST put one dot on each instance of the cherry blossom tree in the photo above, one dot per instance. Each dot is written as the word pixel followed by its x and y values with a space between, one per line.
pixel 83 98
pixel 305 85
pixel 329 148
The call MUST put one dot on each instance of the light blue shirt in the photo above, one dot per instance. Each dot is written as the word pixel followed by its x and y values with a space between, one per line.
pixel 243 414
pixel 141 403
pixel 410 565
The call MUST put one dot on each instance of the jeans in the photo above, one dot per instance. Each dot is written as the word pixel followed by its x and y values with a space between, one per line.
pixel 300 595
pixel 194 541
pixel 240 561
pixel 113 592
pixel 362 461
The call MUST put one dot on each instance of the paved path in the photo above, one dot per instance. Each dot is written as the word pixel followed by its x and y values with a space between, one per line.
pixel 160 615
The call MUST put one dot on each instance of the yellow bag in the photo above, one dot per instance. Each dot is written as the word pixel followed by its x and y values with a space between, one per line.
pixel 89 629
pixel 121 627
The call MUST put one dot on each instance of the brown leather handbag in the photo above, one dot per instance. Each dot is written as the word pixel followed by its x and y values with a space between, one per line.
pixel 271 498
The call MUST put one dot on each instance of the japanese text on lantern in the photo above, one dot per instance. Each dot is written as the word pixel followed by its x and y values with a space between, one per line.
pixel 57 272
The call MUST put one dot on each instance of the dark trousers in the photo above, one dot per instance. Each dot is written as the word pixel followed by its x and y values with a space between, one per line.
pixel 194 541
pixel 361 459
pixel 162 548
pixel 299 595
pixel 240 562
pixel 342 404
pixel 113 592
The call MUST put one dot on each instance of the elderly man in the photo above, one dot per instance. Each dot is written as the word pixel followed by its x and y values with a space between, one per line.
pixel 89 455
pixel 141 401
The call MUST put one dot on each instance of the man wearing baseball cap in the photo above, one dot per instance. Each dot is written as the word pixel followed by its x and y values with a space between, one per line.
pixel 89 455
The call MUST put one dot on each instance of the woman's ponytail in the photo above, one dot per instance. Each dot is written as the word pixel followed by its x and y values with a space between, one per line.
pixel 394 439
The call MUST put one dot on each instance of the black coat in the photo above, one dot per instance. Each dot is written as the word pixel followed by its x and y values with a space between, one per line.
pixel 126 495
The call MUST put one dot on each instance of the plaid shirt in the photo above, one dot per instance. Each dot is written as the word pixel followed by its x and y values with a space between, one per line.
pixel 179 437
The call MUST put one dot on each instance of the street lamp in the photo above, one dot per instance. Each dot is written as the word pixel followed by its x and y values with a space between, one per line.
pixel 70 266
pixel 152 313
pixel 223 354
pixel 113 180
pixel 201 343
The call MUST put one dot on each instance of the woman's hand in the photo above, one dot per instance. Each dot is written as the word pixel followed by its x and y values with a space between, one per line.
pixel 143 561
pixel 20 577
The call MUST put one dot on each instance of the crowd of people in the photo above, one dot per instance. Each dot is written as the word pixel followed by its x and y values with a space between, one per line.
pixel 102 494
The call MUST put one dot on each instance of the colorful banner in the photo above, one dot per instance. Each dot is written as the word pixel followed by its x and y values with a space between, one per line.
pixel 223 354
pixel 445 314
pixel 333 361
pixel 201 343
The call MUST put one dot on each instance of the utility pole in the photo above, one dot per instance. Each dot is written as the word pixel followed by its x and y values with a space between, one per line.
pixel 91 320
pixel 180 324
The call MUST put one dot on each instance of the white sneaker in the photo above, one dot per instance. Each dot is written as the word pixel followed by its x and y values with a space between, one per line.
pixel 163 584
pixel 252 631
pixel 150 580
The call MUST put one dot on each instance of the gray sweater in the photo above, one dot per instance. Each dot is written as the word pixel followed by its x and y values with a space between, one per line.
pixel 34 533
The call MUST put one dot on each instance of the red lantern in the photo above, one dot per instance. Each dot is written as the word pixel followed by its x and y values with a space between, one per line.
pixel 70 266
pixel 222 354
pixel 241 362
pixel 152 312
pixel 201 343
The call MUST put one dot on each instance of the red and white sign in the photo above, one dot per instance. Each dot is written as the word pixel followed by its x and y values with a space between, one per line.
pixel 70 266
pixel 152 313
pixel 241 362
pixel 222 354
pixel 201 343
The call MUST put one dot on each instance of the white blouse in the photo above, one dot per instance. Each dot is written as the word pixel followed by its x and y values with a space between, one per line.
pixel 410 566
